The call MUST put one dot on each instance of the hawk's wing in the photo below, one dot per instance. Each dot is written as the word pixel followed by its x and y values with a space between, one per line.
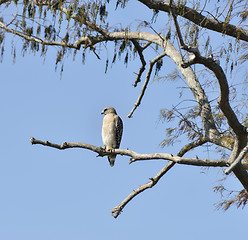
pixel 119 130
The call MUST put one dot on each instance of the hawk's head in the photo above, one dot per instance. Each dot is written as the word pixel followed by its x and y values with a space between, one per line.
pixel 108 110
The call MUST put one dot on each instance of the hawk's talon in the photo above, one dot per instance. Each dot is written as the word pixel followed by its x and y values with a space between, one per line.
pixel 103 148
pixel 111 150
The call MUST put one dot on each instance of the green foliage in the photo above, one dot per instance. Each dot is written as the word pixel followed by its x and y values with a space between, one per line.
pixel 121 3
pixel 173 76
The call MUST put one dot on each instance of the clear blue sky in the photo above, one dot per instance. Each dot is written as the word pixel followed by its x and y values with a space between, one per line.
pixel 50 194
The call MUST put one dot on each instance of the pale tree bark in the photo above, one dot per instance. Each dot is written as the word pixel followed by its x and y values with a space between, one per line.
pixel 210 134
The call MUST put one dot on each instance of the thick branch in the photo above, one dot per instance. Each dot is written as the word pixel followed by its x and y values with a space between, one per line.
pixel 223 101
pixel 224 104
pixel 211 64
pixel 198 18
pixel 237 160
pixel 220 75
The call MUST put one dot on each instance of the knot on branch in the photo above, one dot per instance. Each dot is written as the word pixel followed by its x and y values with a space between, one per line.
pixel 64 145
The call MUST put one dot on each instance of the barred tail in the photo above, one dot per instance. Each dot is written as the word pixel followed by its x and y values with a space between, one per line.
pixel 112 160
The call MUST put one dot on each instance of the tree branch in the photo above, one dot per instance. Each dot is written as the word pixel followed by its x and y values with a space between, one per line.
pixel 136 156
pixel 237 160
pixel 117 210
pixel 198 18
pixel 168 49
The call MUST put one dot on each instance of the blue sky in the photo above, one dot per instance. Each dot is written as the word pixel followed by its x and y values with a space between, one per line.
pixel 52 194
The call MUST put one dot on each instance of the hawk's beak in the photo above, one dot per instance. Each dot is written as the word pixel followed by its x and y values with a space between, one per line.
pixel 102 112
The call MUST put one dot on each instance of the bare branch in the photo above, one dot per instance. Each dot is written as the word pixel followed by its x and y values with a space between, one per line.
pixel 117 210
pixel 148 75
pixel 136 156
pixel 142 59
pixel 192 145
pixel 66 145
pixel 186 161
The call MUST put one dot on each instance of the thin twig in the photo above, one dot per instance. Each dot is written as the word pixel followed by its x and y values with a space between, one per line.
pixel 35 39
pixel 195 51
pixel 142 59
pixel 14 17
pixel 148 75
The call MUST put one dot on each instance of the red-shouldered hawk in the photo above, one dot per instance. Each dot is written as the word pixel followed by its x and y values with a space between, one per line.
pixel 112 128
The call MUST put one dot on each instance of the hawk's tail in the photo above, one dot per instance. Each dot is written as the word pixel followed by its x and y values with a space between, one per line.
pixel 112 160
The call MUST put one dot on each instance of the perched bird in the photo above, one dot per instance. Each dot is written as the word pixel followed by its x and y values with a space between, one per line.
pixel 112 128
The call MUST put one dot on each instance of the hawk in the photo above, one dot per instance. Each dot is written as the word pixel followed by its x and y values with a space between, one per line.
pixel 112 128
